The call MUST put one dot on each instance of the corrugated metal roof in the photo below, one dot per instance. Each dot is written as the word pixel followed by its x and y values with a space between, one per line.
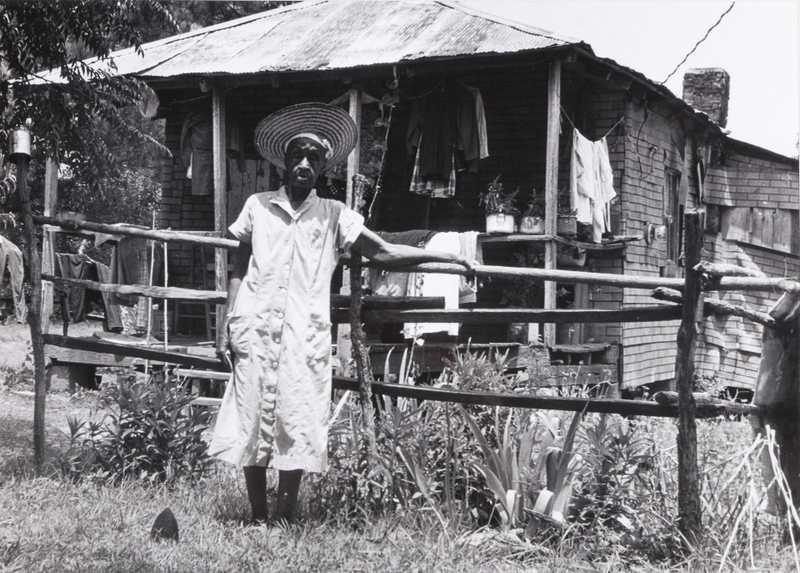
pixel 331 35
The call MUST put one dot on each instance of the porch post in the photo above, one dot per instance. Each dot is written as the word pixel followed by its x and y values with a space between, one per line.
pixel 48 263
pixel 220 198
pixel 551 190
pixel 344 345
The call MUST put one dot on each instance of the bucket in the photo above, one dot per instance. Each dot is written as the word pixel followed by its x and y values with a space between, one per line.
pixel 499 223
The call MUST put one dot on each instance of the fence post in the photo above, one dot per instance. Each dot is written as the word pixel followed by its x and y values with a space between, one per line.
pixel 689 508
pixel 34 312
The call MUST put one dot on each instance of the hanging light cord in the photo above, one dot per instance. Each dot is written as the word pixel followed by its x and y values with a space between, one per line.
pixel 698 43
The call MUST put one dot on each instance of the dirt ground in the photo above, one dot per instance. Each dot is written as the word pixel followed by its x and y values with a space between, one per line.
pixel 16 422
pixel 16 399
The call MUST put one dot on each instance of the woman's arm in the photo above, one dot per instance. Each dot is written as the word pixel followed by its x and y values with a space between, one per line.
pixel 391 255
pixel 242 261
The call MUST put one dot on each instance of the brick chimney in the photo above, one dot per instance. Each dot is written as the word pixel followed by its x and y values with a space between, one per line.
pixel 707 90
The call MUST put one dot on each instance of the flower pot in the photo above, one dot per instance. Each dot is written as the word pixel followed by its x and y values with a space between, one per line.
pixel 571 257
pixel 532 225
pixel 567 225
pixel 499 223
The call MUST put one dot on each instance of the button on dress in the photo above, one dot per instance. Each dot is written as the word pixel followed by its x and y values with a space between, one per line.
pixel 276 408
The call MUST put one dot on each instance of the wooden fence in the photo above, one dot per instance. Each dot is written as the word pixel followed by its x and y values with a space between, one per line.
pixel 684 300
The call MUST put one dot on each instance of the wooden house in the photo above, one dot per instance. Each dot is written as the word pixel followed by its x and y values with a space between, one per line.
pixel 382 59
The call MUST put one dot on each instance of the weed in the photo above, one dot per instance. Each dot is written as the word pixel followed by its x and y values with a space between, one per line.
pixel 151 434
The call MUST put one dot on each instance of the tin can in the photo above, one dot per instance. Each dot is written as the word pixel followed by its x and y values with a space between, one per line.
pixel 19 145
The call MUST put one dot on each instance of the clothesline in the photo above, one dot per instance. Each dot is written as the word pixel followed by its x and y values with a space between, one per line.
pixel 566 115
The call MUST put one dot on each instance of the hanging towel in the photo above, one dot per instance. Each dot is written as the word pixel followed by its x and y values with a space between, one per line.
pixel 436 284
pixel 591 183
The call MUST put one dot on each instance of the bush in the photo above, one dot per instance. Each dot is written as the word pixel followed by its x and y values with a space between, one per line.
pixel 152 434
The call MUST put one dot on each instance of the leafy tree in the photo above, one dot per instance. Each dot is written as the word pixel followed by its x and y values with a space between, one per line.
pixel 65 117
pixel 39 36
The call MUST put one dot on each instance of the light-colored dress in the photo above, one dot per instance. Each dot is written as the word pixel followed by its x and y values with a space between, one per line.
pixel 276 408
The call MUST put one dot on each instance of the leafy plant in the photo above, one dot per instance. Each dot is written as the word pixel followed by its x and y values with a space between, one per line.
pixel 524 292
pixel 616 457
pixel 474 370
pixel 500 467
pixel 497 201
pixel 152 434
pixel 536 206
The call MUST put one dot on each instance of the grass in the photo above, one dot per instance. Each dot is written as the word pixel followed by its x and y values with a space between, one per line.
pixel 54 524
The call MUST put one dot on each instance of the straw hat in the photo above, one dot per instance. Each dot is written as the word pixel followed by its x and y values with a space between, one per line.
pixel 329 122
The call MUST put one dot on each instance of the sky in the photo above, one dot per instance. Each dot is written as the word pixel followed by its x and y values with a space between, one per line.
pixel 756 43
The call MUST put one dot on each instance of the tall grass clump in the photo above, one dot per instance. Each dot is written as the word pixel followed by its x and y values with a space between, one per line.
pixel 151 433
pixel 594 487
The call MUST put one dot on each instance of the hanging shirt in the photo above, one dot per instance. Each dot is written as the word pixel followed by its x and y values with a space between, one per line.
pixel 276 408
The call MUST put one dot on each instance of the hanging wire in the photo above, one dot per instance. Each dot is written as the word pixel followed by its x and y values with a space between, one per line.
pixel 565 114
pixel 698 43
pixel 438 84
pixel 379 178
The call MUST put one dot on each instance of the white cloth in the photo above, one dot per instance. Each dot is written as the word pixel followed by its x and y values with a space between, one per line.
pixel 468 287
pixel 276 408
pixel 436 284
pixel 591 183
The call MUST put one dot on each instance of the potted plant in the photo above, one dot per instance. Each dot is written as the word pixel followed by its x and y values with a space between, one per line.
pixel 500 208
pixel 567 223
pixel 532 221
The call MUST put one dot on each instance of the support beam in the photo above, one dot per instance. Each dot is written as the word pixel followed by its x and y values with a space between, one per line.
pixel 354 159
pixel 551 189
pixel 220 197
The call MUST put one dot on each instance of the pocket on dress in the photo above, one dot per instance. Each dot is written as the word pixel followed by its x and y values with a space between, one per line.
pixel 318 345
pixel 239 332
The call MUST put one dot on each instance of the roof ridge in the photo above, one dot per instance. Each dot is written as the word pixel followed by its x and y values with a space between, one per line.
pixel 457 5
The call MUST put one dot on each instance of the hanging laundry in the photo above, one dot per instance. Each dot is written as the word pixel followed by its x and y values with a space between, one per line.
pixel 436 284
pixel 197 143
pixel 471 121
pixel 433 186
pixel 591 183
pixel 387 283
pixel 11 257
pixel 112 309
pixel 446 133
pixel 468 287
pixel 72 267
pixel 129 267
